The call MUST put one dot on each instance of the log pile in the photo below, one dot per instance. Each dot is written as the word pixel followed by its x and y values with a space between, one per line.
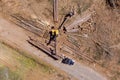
pixel 30 26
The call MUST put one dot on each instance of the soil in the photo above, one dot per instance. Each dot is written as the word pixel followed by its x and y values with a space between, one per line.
pixel 93 32
pixel 19 67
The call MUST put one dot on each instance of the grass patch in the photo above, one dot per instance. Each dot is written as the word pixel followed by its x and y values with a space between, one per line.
pixel 25 62
pixel 46 68
pixel 6 74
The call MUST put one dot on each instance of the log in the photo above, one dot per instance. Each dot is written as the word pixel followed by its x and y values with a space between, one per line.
pixel 103 47
pixel 44 49
pixel 80 54
pixel 30 27
pixel 55 10
pixel 73 30
pixel 79 21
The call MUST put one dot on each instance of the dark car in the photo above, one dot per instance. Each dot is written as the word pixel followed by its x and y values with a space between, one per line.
pixel 68 61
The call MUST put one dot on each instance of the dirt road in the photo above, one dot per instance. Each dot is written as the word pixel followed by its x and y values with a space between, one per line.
pixel 17 36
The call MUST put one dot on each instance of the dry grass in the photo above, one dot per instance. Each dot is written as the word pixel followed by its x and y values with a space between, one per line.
pixel 106 20
pixel 22 67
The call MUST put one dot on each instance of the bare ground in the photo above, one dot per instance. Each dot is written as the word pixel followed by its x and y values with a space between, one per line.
pixel 8 35
pixel 99 38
